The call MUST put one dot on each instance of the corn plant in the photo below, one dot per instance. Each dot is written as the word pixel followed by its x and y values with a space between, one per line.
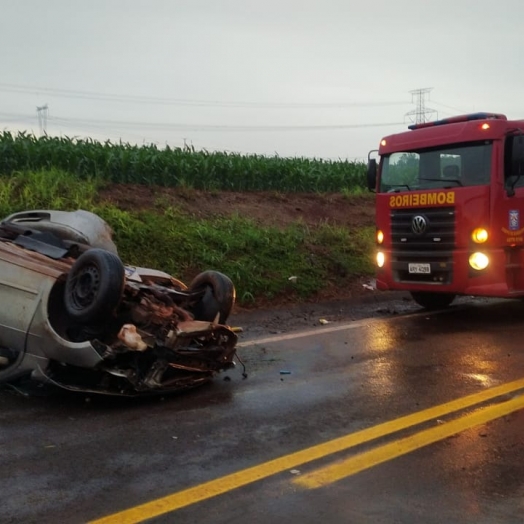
pixel 149 165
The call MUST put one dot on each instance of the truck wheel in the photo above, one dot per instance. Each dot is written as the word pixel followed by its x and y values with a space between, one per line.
pixel 94 286
pixel 429 300
pixel 218 298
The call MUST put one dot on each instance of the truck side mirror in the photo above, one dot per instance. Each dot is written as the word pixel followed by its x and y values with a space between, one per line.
pixel 372 174
pixel 518 155
pixel 517 163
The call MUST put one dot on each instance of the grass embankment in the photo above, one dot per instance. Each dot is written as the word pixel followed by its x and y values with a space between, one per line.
pixel 258 259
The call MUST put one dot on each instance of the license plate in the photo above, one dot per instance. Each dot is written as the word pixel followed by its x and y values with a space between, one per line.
pixel 419 268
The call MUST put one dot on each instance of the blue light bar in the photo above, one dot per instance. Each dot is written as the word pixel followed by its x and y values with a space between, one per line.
pixel 460 118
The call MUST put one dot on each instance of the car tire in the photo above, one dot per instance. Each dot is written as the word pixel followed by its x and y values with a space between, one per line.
pixel 430 301
pixel 218 299
pixel 94 286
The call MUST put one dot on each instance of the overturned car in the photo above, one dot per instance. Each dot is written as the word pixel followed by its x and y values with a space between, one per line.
pixel 73 315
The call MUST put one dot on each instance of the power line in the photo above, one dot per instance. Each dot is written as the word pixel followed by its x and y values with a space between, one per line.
pixel 138 99
pixel 201 127
pixel 81 122
pixel 463 111
pixel 221 127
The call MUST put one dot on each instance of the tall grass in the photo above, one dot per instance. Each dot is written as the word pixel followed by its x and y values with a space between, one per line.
pixel 46 189
pixel 125 163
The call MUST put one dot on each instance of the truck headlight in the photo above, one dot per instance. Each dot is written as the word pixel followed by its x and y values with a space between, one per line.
pixel 479 235
pixel 380 236
pixel 380 259
pixel 478 261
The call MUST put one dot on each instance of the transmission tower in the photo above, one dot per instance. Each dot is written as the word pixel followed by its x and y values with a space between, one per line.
pixel 42 112
pixel 421 113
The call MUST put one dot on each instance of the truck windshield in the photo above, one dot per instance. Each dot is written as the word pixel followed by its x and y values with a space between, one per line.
pixel 437 168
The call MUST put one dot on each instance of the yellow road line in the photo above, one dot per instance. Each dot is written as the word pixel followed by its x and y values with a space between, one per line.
pixel 368 459
pixel 244 477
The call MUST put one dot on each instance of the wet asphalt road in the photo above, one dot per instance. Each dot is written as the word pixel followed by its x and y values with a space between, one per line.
pixel 71 459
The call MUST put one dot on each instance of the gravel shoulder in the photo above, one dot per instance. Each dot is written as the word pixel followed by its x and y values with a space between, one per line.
pixel 376 304
pixel 284 319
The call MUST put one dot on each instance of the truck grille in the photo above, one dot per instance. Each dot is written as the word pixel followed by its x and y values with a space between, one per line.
pixel 423 236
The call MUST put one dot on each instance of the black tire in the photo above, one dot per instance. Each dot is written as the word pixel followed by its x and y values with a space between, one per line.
pixel 219 296
pixel 94 286
pixel 430 301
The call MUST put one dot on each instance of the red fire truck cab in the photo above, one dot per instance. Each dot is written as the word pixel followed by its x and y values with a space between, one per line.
pixel 450 209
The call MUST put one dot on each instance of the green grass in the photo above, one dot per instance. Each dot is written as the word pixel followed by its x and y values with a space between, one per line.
pixel 258 259
pixel 50 189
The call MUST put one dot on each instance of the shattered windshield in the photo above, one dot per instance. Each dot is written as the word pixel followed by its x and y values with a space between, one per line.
pixel 437 168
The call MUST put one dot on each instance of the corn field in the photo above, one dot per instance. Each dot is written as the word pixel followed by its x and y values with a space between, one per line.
pixel 149 165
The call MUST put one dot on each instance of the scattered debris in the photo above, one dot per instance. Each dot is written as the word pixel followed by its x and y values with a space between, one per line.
pixel 371 285
pixel 295 472
pixel 293 279
pixel 323 321
pixel 285 372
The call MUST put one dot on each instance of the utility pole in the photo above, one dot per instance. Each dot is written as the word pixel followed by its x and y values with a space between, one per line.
pixel 421 113
pixel 42 112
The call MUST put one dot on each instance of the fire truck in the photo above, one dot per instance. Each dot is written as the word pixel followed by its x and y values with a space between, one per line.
pixel 450 209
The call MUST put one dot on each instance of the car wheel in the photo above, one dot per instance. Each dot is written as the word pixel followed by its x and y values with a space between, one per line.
pixel 430 300
pixel 94 286
pixel 218 298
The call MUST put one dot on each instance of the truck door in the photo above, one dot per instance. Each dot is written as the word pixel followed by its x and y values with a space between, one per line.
pixel 510 212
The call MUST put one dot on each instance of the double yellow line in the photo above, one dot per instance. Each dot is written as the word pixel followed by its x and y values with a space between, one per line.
pixel 341 469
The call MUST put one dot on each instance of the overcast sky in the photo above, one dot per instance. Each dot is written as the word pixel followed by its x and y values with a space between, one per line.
pixel 314 78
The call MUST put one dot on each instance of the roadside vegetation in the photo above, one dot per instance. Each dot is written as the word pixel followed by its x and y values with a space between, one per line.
pixel 259 259
pixel 177 167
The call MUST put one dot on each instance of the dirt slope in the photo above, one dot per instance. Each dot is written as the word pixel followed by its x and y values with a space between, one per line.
pixel 279 210
pixel 276 209
pixel 265 208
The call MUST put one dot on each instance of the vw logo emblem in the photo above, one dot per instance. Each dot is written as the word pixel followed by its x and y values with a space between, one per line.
pixel 419 225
